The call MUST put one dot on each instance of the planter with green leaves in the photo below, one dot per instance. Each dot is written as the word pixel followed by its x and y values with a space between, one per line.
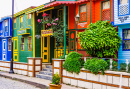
pixel 73 62
pixel 55 82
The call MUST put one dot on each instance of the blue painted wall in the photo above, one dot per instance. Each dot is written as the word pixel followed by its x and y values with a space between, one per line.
pixel 5 35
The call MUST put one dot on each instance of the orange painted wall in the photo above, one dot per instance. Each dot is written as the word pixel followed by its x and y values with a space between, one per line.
pixel 71 16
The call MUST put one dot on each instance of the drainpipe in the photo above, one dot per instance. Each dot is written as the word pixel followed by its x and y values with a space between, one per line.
pixel 64 15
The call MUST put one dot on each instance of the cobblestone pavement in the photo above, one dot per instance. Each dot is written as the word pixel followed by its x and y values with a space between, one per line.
pixel 6 83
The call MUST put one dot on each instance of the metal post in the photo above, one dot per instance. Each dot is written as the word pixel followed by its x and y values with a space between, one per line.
pixel 64 15
pixel 11 63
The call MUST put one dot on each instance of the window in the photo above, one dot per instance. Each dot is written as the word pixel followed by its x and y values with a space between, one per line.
pixel 9 44
pixel 6 26
pixel 29 43
pixel 105 10
pixel 60 14
pixel 123 7
pixel 22 44
pixel 14 23
pixel 29 19
pixel 21 22
pixel 126 39
pixel 82 12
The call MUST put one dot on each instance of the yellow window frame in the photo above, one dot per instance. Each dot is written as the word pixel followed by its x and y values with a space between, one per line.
pixel 31 43
pixel 23 44
pixel 28 18
pixel 21 22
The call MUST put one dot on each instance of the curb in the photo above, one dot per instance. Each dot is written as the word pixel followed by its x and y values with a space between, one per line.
pixel 25 81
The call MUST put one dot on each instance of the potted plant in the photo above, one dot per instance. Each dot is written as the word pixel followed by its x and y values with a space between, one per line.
pixel 55 82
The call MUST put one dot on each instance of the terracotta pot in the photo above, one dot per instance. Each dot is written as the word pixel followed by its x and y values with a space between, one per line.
pixel 54 86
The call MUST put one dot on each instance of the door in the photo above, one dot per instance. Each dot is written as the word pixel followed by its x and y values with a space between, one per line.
pixel 4 49
pixel 46 49
pixel 15 49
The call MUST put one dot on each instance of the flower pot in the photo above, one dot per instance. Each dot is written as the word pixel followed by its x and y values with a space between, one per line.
pixel 54 86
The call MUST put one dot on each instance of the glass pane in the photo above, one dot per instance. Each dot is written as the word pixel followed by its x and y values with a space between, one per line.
pixel 29 16
pixel 6 23
pixel 45 56
pixel 45 41
pixel 123 1
pixel 126 34
pixel 126 44
pixel 106 5
pixel 83 8
pixel 14 20
pixel 15 44
pixel 21 19
pixel 4 45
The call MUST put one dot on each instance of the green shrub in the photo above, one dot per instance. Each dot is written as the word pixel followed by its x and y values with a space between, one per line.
pixel 128 68
pixel 123 67
pixel 108 64
pixel 73 62
pixel 100 39
pixel 56 79
pixel 114 65
pixel 95 65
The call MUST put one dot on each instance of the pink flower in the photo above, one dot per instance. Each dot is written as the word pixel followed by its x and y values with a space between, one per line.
pixel 44 15
pixel 54 23
pixel 38 20
pixel 56 19
pixel 48 24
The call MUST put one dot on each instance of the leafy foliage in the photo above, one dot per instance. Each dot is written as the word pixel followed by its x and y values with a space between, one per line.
pixel 62 57
pixel 123 67
pixel 100 39
pixel 108 64
pixel 73 62
pixel 129 68
pixel 56 79
pixel 114 65
pixel 95 65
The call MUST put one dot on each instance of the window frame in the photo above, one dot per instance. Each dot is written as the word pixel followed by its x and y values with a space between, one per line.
pixel 118 8
pixel 9 44
pixel 31 43
pixel 28 19
pixel 22 44
pixel 124 39
pixel 79 13
pixel 102 9
pixel 20 22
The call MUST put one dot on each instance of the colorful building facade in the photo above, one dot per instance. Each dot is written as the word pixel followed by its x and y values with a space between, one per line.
pixel 122 21
pixel 5 38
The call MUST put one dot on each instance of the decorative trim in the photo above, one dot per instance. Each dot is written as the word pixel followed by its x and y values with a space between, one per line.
pixel 33 34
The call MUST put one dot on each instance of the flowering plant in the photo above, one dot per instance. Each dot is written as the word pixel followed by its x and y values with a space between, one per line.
pixel 56 79
pixel 55 24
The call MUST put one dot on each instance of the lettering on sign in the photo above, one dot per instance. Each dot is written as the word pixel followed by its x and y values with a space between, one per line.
pixel 46 32
pixel 38 36
pixel 122 19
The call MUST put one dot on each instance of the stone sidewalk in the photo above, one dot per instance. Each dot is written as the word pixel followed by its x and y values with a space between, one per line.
pixel 41 83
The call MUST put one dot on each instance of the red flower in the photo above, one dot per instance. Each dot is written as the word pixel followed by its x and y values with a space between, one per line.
pixel 38 20
pixel 44 15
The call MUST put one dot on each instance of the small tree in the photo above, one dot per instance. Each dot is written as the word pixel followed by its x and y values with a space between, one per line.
pixel 100 39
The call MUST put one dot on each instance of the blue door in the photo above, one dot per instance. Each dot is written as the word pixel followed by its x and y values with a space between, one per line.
pixel 4 50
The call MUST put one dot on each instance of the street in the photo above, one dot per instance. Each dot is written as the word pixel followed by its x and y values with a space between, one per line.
pixel 6 83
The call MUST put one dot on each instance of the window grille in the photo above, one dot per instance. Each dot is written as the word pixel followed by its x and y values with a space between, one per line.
pixel 83 16
pixel 123 9
pixel 106 10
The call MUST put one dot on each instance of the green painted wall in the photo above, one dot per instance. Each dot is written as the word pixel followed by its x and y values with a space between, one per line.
pixel 38 29
pixel 24 54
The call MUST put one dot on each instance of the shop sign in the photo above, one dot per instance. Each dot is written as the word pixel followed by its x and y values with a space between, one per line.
pixel 46 32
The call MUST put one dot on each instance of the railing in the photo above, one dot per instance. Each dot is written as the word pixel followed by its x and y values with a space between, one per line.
pixel 119 61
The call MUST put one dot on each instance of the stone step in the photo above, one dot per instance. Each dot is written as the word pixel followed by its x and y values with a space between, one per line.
pixel 47 69
pixel 47 77
pixel 49 66
pixel 45 73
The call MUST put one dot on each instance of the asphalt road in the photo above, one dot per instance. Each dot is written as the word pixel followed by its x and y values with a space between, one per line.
pixel 6 83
